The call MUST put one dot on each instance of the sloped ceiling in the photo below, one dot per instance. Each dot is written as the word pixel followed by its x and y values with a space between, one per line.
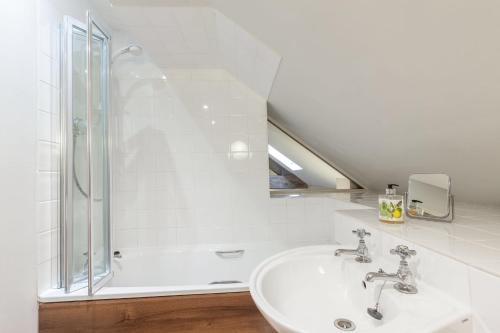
pixel 190 36
pixel 388 88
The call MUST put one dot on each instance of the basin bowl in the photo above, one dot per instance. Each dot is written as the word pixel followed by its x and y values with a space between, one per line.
pixel 308 289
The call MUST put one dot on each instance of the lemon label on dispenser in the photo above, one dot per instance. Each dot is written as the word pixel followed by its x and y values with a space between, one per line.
pixel 390 210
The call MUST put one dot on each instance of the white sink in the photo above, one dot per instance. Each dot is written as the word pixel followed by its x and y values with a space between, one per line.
pixel 307 289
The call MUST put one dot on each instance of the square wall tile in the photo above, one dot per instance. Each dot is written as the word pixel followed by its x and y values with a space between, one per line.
pixel 48 156
pixel 147 238
pixel 44 276
pixel 44 126
pixel 277 210
pixel 295 209
pixel 126 239
pixel 47 186
pixel 44 246
pixel 47 215
pixel 48 70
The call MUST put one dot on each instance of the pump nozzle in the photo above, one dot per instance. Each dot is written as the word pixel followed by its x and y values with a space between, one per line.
pixel 390 190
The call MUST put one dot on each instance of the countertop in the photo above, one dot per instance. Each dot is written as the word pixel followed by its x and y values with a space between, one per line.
pixel 472 238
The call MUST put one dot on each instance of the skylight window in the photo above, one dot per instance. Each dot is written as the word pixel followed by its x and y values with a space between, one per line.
pixel 283 159
pixel 294 166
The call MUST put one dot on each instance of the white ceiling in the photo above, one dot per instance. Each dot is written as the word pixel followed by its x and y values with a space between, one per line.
pixel 388 88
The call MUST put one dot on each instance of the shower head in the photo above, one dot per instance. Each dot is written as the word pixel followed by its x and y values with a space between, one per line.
pixel 133 49
pixel 79 126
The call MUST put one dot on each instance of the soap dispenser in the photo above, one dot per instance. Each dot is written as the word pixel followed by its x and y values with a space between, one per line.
pixel 390 206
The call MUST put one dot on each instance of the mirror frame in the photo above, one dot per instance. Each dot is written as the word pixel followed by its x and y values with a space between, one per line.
pixel 451 204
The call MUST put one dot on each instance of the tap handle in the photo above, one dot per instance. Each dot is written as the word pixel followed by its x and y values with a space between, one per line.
pixel 403 251
pixel 361 233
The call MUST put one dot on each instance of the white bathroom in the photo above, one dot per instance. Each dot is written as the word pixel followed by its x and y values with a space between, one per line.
pixel 250 166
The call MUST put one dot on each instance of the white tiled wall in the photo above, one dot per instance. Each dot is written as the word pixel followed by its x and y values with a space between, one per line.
pixel 191 164
pixel 301 220
pixel 48 149
pixel 190 157
pixel 247 58
pixel 196 37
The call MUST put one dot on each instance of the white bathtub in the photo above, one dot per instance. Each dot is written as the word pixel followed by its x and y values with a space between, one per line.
pixel 180 271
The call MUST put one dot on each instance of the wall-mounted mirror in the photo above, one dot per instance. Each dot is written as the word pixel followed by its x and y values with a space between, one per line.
pixel 429 197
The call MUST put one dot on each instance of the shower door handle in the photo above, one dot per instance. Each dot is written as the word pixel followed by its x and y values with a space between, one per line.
pixel 230 254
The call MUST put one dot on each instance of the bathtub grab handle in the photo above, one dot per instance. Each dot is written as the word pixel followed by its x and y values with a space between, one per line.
pixel 230 254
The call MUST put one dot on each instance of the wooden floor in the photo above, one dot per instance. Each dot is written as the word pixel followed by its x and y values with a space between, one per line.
pixel 209 313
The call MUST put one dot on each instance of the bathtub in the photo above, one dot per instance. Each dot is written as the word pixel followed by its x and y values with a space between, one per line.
pixel 177 271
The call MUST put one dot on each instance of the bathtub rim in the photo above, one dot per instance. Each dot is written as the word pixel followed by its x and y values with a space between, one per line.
pixel 58 295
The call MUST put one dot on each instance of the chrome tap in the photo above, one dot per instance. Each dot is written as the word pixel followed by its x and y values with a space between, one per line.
pixel 405 281
pixel 361 252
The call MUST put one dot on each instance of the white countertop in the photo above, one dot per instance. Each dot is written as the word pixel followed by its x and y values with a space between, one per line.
pixel 472 238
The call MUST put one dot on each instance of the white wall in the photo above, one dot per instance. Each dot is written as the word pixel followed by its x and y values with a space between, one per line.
pixel 304 220
pixel 18 306
pixel 190 160
pixel 190 146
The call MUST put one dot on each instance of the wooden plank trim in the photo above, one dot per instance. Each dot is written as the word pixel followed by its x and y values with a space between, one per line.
pixel 228 312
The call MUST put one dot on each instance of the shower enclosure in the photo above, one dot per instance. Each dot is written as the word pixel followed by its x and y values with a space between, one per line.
pixel 85 165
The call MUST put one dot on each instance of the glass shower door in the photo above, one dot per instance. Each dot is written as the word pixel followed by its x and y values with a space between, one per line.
pixel 98 65
pixel 85 179
pixel 76 251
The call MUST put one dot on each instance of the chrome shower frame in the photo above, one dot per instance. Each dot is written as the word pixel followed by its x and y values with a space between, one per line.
pixel 91 23
pixel 66 164
pixel 66 160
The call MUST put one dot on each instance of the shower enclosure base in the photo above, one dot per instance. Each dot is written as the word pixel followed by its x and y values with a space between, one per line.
pixel 228 312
